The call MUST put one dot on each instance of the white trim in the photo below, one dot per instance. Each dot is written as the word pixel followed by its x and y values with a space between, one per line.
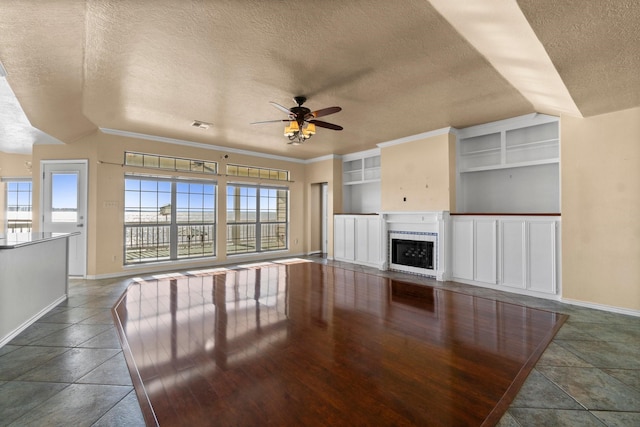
pixel 507 124
pixel 3 73
pixel 323 158
pixel 419 136
pixel 595 306
pixel 197 145
pixel 32 320
pixel 16 179
pixel 361 154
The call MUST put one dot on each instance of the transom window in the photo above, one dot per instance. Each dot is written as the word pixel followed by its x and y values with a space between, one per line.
pixel 154 161
pixel 257 218
pixel 255 172
pixel 168 219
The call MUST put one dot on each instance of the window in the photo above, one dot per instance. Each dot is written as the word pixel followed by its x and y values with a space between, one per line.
pixel 257 218
pixel 255 172
pixel 18 206
pixel 168 219
pixel 153 161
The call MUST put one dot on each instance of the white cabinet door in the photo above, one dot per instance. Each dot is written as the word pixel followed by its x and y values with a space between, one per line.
pixel 462 237
pixel 513 254
pixel 374 233
pixel 542 256
pixel 349 238
pixel 485 251
pixel 361 240
pixel 339 237
pixel 358 238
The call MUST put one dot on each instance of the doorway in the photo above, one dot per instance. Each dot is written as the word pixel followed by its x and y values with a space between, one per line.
pixel 319 242
pixel 64 207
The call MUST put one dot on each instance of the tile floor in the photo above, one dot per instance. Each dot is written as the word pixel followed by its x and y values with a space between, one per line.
pixel 68 368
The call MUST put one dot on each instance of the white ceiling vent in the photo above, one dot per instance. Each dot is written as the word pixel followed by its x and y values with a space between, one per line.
pixel 201 124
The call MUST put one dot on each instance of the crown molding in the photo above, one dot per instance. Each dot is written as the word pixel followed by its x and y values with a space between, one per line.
pixel 418 137
pixel 361 154
pixel 507 124
pixel 182 142
pixel 323 158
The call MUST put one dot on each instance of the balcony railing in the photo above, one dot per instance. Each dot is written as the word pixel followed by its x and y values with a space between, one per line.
pixel 144 243
pixel 19 225
pixel 153 242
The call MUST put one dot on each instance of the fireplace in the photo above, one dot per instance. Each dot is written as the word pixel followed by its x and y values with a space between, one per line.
pixel 413 252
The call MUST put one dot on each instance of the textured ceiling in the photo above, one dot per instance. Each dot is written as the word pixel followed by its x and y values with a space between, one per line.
pixel 396 68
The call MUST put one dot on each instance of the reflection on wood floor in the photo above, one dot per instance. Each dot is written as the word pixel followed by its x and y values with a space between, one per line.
pixel 300 343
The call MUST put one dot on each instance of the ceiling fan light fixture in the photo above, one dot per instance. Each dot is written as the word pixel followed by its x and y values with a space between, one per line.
pixel 309 129
pixel 300 126
pixel 291 129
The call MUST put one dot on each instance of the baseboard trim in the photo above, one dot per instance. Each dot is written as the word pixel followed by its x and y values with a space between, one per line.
pixel 603 307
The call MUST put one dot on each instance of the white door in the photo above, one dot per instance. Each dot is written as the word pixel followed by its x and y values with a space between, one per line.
pixel 64 207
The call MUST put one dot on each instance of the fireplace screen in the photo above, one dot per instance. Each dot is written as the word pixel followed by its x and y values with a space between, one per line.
pixel 412 253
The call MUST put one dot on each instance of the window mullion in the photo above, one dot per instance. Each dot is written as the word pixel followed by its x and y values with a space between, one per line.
pixel 258 226
pixel 173 228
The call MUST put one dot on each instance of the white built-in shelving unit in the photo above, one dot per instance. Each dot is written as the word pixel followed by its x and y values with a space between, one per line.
pixel 361 182
pixel 362 169
pixel 508 192
pixel 510 166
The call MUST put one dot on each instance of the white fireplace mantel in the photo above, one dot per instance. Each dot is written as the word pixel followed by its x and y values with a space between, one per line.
pixel 421 222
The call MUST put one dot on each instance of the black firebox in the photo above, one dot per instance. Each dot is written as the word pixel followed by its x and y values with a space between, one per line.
pixel 412 253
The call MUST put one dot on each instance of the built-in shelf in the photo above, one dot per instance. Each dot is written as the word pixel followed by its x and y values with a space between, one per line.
pixel 517 144
pixel 361 181
pixel 359 170
pixel 509 165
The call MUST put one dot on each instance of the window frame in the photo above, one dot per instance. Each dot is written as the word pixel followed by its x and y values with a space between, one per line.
pixel 176 228
pixel 17 180
pixel 257 224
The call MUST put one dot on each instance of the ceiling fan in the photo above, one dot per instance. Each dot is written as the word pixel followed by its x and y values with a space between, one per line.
pixel 302 121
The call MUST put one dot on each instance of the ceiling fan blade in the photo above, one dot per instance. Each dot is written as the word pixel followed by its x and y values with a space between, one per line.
pixel 270 121
pixel 325 111
pixel 326 125
pixel 280 107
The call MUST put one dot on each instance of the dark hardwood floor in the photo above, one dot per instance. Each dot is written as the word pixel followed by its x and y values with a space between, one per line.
pixel 310 344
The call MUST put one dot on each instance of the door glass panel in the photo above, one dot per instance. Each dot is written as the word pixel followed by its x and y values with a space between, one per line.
pixel 64 197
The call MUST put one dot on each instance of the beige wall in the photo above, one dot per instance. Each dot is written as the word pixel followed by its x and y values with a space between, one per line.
pixel 106 195
pixel 420 171
pixel 11 166
pixel 326 171
pixel 600 173
pixel 14 165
